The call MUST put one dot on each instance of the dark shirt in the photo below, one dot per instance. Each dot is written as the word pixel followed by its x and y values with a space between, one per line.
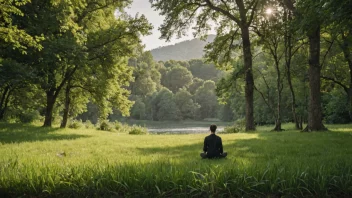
pixel 213 146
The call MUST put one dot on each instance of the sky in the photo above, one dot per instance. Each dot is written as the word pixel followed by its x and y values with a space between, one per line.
pixel 152 41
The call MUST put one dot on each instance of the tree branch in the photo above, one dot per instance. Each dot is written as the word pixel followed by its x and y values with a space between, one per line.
pixel 225 12
pixel 327 51
pixel 252 12
pixel 337 82
pixel 266 102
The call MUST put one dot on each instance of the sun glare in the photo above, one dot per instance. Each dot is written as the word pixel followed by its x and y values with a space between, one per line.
pixel 269 11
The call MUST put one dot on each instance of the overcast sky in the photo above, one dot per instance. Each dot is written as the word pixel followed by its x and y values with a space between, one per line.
pixel 152 41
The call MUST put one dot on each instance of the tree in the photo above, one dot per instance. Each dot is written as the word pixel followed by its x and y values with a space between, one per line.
pixel 340 32
pixel 186 105
pixel 233 16
pixel 203 70
pixel 146 76
pixel 138 109
pixel 272 35
pixel 178 77
pixel 310 17
pixel 11 36
pixel 196 83
pixel 165 106
pixel 205 96
pixel 76 38
pixel 13 76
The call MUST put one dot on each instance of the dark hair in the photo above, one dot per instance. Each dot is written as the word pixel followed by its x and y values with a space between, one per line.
pixel 213 128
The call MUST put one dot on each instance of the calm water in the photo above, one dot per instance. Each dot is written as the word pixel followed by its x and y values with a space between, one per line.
pixel 185 130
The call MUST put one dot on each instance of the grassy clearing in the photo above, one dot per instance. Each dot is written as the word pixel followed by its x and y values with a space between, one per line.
pixel 173 124
pixel 35 161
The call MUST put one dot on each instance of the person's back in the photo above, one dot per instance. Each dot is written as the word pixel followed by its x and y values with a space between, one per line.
pixel 213 145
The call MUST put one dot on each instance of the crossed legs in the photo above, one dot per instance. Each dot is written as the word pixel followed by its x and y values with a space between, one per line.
pixel 204 155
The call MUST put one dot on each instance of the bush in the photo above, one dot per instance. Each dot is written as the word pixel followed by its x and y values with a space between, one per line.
pixel 231 129
pixel 29 116
pixel 117 125
pixel 89 124
pixel 124 128
pixel 241 123
pixel 138 130
pixel 237 127
pixel 106 126
pixel 75 124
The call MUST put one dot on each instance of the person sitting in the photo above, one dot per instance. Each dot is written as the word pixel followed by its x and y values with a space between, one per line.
pixel 213 145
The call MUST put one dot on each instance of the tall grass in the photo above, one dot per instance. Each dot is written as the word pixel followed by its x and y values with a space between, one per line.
pixel 78 163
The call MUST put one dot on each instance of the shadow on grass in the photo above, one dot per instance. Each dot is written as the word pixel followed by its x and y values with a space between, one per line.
pixel 17 133
pixel 186 177
pixel 268 147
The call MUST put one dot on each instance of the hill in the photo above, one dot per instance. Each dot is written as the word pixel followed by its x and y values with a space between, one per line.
pixel 183 51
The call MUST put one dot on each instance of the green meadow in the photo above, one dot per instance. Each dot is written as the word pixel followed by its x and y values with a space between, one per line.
pixel 52 162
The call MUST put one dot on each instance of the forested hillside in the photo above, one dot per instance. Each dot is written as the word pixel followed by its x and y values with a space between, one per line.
pixel 186 50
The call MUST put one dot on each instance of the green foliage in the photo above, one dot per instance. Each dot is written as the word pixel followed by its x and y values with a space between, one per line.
pixel 206 98
pixel 118 125
pixel 197 82
pixel 76 124
pixel 105 125
pixel 138 130
pixel 231 129
pixel 30 116
pixel 335 110
pixel 204 71
pixel 146 75
pixel 75 37
pixel 166 106
pixel 238 126
pixel 225 113
pixel 89 125
pixel 138 110
pixel 186 105
pixel 178 77
pixel 12 36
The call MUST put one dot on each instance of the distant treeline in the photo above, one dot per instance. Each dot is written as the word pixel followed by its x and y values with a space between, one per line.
pixel 171 90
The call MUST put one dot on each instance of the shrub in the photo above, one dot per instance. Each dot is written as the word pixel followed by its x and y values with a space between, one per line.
pixel 29 116
pixel 75 124
pixel 117 125
pixel 237 127
pixel 138 130
pixel 231 129
pixel 241 123
pixel 124 128
pixel 105 126
pixel 89 124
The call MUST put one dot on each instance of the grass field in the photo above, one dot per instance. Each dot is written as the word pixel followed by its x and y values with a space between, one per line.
pixel 41 162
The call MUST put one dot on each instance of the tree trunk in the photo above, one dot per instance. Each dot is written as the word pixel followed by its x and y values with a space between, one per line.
pixel 247 54
pixel 67 106
pixel 293 97
pixel 349 102
pixel 279 90
pixel 315 122
pixel 288 59
pixel 5 101
pixel 345 46
pixel 50 102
